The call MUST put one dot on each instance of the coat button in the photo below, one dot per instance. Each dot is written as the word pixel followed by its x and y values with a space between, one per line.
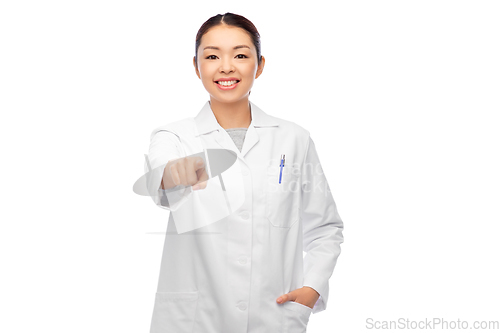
pixel 242 306
pixel 245 215
pixel 242 261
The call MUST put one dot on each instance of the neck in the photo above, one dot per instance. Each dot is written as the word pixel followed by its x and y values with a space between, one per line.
pixel 231 115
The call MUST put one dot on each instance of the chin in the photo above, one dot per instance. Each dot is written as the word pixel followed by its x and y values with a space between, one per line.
pixel 228 99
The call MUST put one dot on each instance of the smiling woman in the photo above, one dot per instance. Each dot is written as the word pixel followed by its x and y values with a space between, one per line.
pixel 240 267
pixel 228 60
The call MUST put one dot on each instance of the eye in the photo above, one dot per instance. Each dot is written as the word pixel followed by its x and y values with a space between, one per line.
pixel 238 56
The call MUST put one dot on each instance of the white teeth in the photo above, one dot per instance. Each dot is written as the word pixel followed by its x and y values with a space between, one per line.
pixel 226 83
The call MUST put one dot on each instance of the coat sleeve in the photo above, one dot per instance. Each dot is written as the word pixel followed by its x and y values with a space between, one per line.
pixel 164 146
pixel 322 227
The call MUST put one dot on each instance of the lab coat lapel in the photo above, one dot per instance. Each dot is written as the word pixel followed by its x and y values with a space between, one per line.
pixel 251 139
pixel 206 123
pixel 260 119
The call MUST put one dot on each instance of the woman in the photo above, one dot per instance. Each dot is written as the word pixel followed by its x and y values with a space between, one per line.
pixel 233 254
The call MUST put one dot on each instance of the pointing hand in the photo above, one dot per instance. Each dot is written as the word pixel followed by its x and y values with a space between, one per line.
pixel 187 171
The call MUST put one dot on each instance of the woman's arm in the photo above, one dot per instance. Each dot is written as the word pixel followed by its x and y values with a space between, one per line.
pixel 322 227
pixel 164 146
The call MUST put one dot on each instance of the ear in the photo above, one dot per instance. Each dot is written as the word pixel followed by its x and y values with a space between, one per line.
pixel 196 67
pixel 260 68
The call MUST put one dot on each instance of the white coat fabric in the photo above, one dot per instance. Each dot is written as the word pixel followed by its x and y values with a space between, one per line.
pixel 224 274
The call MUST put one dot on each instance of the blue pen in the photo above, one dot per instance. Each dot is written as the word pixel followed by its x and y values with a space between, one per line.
pixel 282 164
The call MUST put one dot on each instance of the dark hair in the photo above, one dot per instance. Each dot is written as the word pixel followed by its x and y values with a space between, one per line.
pixel 230 19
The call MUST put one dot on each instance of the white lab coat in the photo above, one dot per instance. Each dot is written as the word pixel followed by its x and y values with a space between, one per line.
pixel 224 276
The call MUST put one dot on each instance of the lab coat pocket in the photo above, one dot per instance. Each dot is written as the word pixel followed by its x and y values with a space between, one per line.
pixel 282 199
pixel 174 312
pixel 296 317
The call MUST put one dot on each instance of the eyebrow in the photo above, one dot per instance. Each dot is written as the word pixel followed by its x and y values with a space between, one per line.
pixel 234 48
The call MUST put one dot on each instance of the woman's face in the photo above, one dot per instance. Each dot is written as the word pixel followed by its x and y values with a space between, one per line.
pixel 218 59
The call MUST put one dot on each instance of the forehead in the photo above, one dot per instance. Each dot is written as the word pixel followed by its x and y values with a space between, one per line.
pixel 226 37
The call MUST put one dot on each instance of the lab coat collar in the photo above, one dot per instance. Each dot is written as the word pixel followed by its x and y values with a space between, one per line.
pixel 206 121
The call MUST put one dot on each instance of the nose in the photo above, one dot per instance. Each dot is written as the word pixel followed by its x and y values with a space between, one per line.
pixel 226 66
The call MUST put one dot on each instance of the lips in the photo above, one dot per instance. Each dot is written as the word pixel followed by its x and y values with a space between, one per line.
pixel 231 78
pixel 226 86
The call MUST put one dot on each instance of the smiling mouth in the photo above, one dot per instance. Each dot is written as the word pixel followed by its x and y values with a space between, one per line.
pixel 227 83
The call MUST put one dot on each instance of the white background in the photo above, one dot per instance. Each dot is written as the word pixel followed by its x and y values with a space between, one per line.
pixel 400 97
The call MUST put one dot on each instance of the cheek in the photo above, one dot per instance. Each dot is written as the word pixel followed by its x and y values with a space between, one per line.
pixel 206 77
pixel 248 71
pixel 206 70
